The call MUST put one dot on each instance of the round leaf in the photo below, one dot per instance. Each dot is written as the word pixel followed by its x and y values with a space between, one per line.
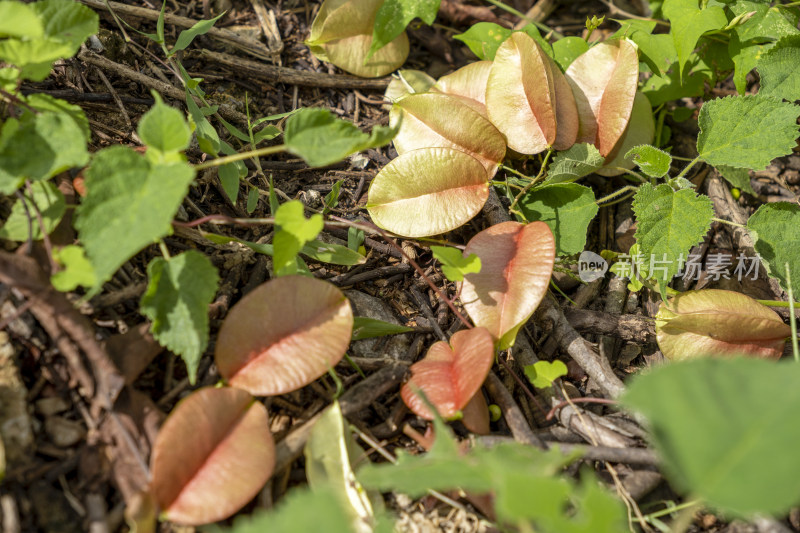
pixel 212 456
pixel 283 335
pixel 604 83
pixel 428 192
pixel 516 264
pixel 349 55
pixel 718 322
pixel 338 19
pixel 450 374
pixel 641 129
pixel 520 95
pixel 468 82
pixel 438 120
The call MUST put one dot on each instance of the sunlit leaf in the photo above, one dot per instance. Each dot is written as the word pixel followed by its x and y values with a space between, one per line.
pixel 516 264
pixel 604 81
pixel 652 161
pixel 47 200
pixel 163 128
pixel 775 228
pixel 428 192
pixel 641 129
pixel 566 50
pixel 468 82
pixel 543 373
pixel 454 265
pixel 567 120
pixel 77 271
pixel 567 208
pixel 520 95
pixel 294 231
pixel 718 322
pixel 348 54
pixel 394 15
pixel 283 335
pixel 575 163
pixel 450 374
pixel 434 120
pixel 723 430
pixel 484 38
pixel 408 81
pixel 367 328
pixel 212 456
pixel 689 22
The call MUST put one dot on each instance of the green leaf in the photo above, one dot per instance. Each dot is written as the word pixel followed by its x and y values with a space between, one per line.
pixel 231 173
pixel 50 204
pixel 689 22
pixel 295 230
pixel 66 21
pixel 738 177
pixel 454 265
pixel 567 208
pixel 668 224
pixel 335 254
pixel 367 328
pixel 768 22
pixel 543 373
pixel 778 70
pixel 657 51
pixel 252 200
pixel 572 164
pixel 484 38
pixel 321 139
pixel 673 86
pixel 567 49
pixel 394 15
pixel 45 102
pixel 652 161
pixel 746 131
pixel 77 271
pixel 38 147
pixel 207 136
pixel 775 228
pixel 302 510
pixel 186 37
pixel 332 198
pixel 721 429
pixel 163 128
pixel 178 294
pixel 19 20
pixel 130 204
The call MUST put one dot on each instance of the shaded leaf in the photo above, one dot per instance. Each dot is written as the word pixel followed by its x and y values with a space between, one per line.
pixel 567 208
pixel 543 373
pixel 516 264
pixel 520 95
pixel 718 322
pixel 186 37
pixel 450 374
pixel 212 456
pixel 320 138
pixel 641 129
pixel 738 177
pixel 163 128
pixel 434 120
pixel 45 102
pixel 777 69
pixel 283 335
pixel 604 81
pixel 394 15
pixel 50 204
pixel 775 229
pixel 454 265
pixel 723 430
pixel 428 192
pixel 575 163
pixel 294 231
pixel 178 294
pixel 746 131
pixel 367 328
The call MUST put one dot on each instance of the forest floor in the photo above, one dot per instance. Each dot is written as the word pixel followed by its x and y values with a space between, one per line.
pixel 72 470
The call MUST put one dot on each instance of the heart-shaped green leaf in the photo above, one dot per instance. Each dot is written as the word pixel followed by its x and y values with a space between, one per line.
pixel 604 81
pixel 520 95
pixel 543 373
pixel 438 120
pixel 450 374
pixel 283 335
pixel 516 264
pixel 454 265
pixel 718 322
pixel 212 456
pixel 428 192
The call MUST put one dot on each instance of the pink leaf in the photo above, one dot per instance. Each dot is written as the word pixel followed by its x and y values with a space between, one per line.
pixel 468 82
pixel 212 456
pixel 604 80
pixel 283 335
pixel 450 374
pixel 516 264
pixel 718 322
pixel 641 129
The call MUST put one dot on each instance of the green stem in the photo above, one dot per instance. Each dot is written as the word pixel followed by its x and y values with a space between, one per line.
pixel 515 172
pixel 692 163
pixel 723 221
pixel 504 184
pixel 164 250
pixel 619 192
pixel 670 510
pixel 268 150
pixel 533 181
pixel 526 18
pixel 792 318
pixel 777 303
